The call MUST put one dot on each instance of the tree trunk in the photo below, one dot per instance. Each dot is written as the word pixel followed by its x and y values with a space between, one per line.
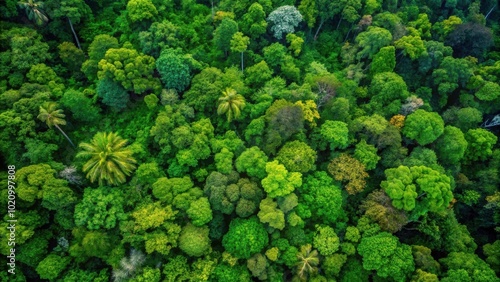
pixel 338 24
pixel 488 14
pixel 319 27
pixel 65 135
pixel 241 61
pixel 349 32
pixel 74 34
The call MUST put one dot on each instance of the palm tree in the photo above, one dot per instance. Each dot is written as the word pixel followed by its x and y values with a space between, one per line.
pixel 109 159
pixel 53 117
pixel 308 261
pixel 34 11
pixel 231 104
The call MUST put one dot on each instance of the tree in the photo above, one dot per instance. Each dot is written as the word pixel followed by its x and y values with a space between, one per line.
pixel 388 90
pixel 366 154
pixel 279 182
pixel 100 208
pixel 174 70
pixel 108 159
pixel 34 11
pixel 424 127
pixel 307 264
pixel 245 237
pixel 53 117
pixel 419 189
pixel 271 214
pixel 159 36
pixel 412 45
pixel 320 199
pixel 480 144
pixel 133 70
pixel 331 134
pixel 254 21
pixel 51 266
pixel 470 39
pixel 377 206
pixel 297 156
pixel 451 146
pixel 461 265
pixel 348 169
pixel 231 104
pixel 139 10
pixel 326 240
pixel 80 106
pixel 252 161
pixel 199 211
pixel 384 60
pixel 372 40
pixel 96 51
pixel 194 240
pixel 386 255
pixel 284 20
pixel 239 43
pixel 113 94
pixel 224 33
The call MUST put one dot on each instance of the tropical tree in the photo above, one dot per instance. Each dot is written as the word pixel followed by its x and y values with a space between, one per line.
pixel 34 11
pixel 231 104
pixel 307 262
pixel 53 117
pixel 109 159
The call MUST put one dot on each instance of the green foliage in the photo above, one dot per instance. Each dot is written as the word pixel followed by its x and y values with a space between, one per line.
pixel 384 60
pixel 424 127
pixel 108 159
pixel 159 36
pixel 199 212
pixel 387 256
pixel 372 40
pixel 418 188
pixel 366 154
pixel 451 146
pixel 480 144
pixel 468 265
pixel 139 10
pixel 279 182
pixel 297 156
pixel 174 70
pixel 320 198
pixel 326 240
pixel 100 208
pixel 332 134
pixel 51 266
pixel 131 69
pixel 269 213
pixel 80 106
pixel 224 33
pixel 245 237
pixel 194 240
pixel 97 50
pixel 253 162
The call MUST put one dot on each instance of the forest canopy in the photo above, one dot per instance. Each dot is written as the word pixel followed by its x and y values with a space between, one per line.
pixel 269 140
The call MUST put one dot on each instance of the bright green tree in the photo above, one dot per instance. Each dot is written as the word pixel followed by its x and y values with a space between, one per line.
pixel 194 240
pixel 53 117
pixel 480 144
pixel 297 156
pixel 224 33
pixel 239 43
pixel 418 188
pixel 107 159
pixel 387 256
pixel 231 103
pixel 424 127
pixel 245 237
pixel 451 146
pixel 100 208
pixel 139 10
pixel 279 182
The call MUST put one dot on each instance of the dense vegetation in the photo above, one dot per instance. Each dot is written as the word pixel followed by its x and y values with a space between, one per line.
pixel 227 140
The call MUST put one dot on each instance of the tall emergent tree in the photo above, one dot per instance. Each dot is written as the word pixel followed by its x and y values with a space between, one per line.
pixel 53 117
pixel 34 11
pixel 231 104
pixel 109 161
